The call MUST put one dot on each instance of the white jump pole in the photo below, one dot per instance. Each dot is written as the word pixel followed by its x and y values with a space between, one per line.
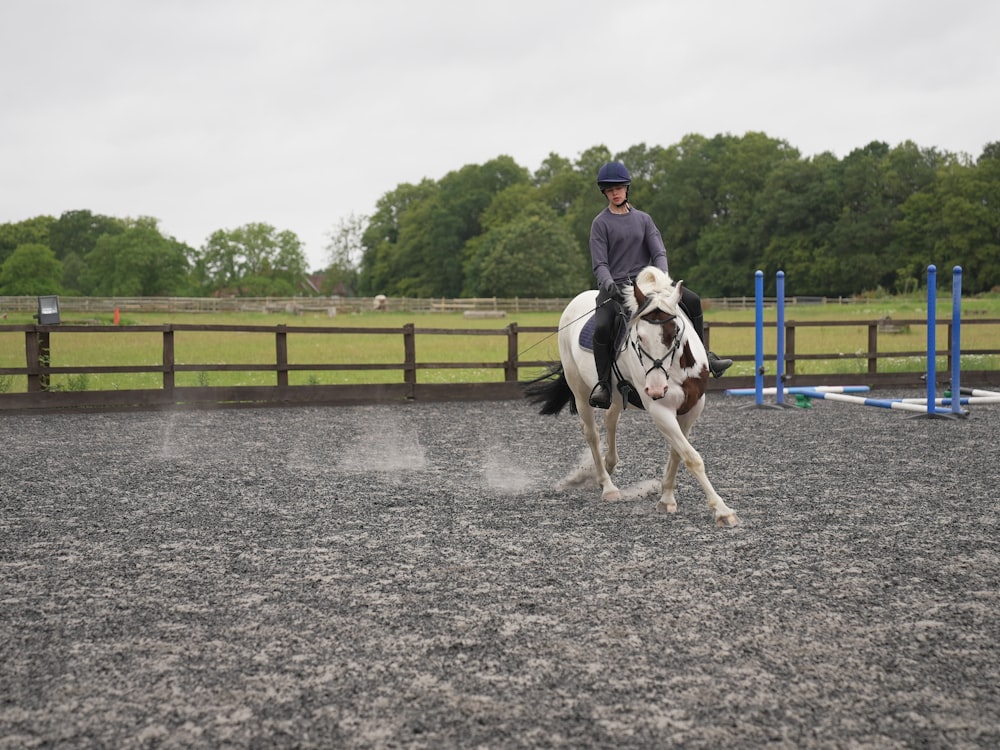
pixel 948 401
pixel 883 403
pixel 978 392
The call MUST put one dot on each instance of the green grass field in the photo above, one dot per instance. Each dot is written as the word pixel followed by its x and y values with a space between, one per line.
pixel 193 348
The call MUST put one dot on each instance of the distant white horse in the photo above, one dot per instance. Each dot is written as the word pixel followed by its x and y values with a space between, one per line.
pixel 663 356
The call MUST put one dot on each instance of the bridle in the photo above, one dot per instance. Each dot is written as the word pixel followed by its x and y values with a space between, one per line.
pixel 657 364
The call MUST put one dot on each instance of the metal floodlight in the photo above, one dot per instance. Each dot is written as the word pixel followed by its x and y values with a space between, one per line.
pixel 48 310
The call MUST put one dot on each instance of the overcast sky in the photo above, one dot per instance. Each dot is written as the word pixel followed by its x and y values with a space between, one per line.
pixel 211 114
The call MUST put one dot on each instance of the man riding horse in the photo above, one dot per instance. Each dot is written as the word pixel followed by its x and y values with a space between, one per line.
pixel 623 241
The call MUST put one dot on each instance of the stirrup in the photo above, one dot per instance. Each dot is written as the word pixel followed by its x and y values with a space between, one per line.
pixel 627 389
pixel 717 365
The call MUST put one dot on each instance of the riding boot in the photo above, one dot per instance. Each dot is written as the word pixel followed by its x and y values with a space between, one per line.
pixel 716 364
pixel 600 397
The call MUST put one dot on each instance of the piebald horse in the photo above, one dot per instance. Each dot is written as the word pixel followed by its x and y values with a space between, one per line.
pixel 662 355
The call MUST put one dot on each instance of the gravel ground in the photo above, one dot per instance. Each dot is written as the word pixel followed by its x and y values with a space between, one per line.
pixel 419 576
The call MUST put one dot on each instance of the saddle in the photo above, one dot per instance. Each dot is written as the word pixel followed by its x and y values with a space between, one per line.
pixel 586 340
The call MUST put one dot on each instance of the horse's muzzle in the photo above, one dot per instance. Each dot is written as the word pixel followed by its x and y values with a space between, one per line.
pixel 655 393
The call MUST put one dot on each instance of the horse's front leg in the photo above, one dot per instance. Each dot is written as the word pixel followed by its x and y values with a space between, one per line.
pixel 724 515
pixel 666 421
pixel 592 434
pixel 668 502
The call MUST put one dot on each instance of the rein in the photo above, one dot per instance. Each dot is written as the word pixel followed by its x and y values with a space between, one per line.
pixel 560 328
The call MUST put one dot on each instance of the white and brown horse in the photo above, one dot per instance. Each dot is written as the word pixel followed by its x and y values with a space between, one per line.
pixel 663 357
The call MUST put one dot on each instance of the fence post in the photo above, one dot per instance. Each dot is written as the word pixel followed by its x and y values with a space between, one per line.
pixel 510 366
pixel 281 354
pixel 37 357
pixel 873 347
pixel 789 349
pixel 168 360
pixel 410 358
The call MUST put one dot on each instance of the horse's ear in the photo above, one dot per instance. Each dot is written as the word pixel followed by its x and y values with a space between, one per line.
pixel 640 298
pixel 675 295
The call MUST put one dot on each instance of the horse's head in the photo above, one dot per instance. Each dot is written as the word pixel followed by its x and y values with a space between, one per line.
pixel 659 327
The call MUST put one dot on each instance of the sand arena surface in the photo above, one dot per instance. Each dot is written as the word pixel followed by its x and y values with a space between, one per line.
pixel 409 576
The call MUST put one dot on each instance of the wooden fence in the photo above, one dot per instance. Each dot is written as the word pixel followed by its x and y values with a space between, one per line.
pixel 333 306
pixel 39 368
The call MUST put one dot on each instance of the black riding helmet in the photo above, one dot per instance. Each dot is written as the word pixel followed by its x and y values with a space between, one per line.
pixel 614 174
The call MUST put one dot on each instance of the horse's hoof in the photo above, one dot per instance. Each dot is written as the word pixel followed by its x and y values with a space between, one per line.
pixel 727 521
pixel 662 507
pixel 612 497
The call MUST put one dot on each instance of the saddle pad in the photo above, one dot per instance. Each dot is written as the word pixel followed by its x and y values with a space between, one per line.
pixel 587 335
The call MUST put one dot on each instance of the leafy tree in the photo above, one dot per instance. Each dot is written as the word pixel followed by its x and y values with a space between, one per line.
pixel 525 250
pixel 138 262
pixel 74 274
pixel 381 264
pixel 860 237
pixel 418 250
pixel 29 232
pixel 31 269
pixel 254 259
pixel 705 204
pixel 683 203
pixel 796 210
pixel 344 253
pixel 429 248
pixel 78 232
pixel 531 256
pixel 726 205
pixel 956 221
pixel 570 189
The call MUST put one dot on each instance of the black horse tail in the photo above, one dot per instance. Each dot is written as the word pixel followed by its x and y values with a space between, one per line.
pixel 550 391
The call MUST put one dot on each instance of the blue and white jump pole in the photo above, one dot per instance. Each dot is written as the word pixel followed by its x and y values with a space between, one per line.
pixel 883 403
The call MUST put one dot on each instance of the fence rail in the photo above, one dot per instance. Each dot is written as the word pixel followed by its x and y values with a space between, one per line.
pixel 39 368
pixel 333 306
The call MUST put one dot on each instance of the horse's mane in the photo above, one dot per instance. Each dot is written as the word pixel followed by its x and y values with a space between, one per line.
pixel 659 292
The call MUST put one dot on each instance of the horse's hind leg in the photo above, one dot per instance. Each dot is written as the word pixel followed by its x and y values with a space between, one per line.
pixel 668 502
pixel 592 434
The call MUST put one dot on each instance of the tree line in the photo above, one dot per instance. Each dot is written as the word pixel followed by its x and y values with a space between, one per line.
pixel 726 206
